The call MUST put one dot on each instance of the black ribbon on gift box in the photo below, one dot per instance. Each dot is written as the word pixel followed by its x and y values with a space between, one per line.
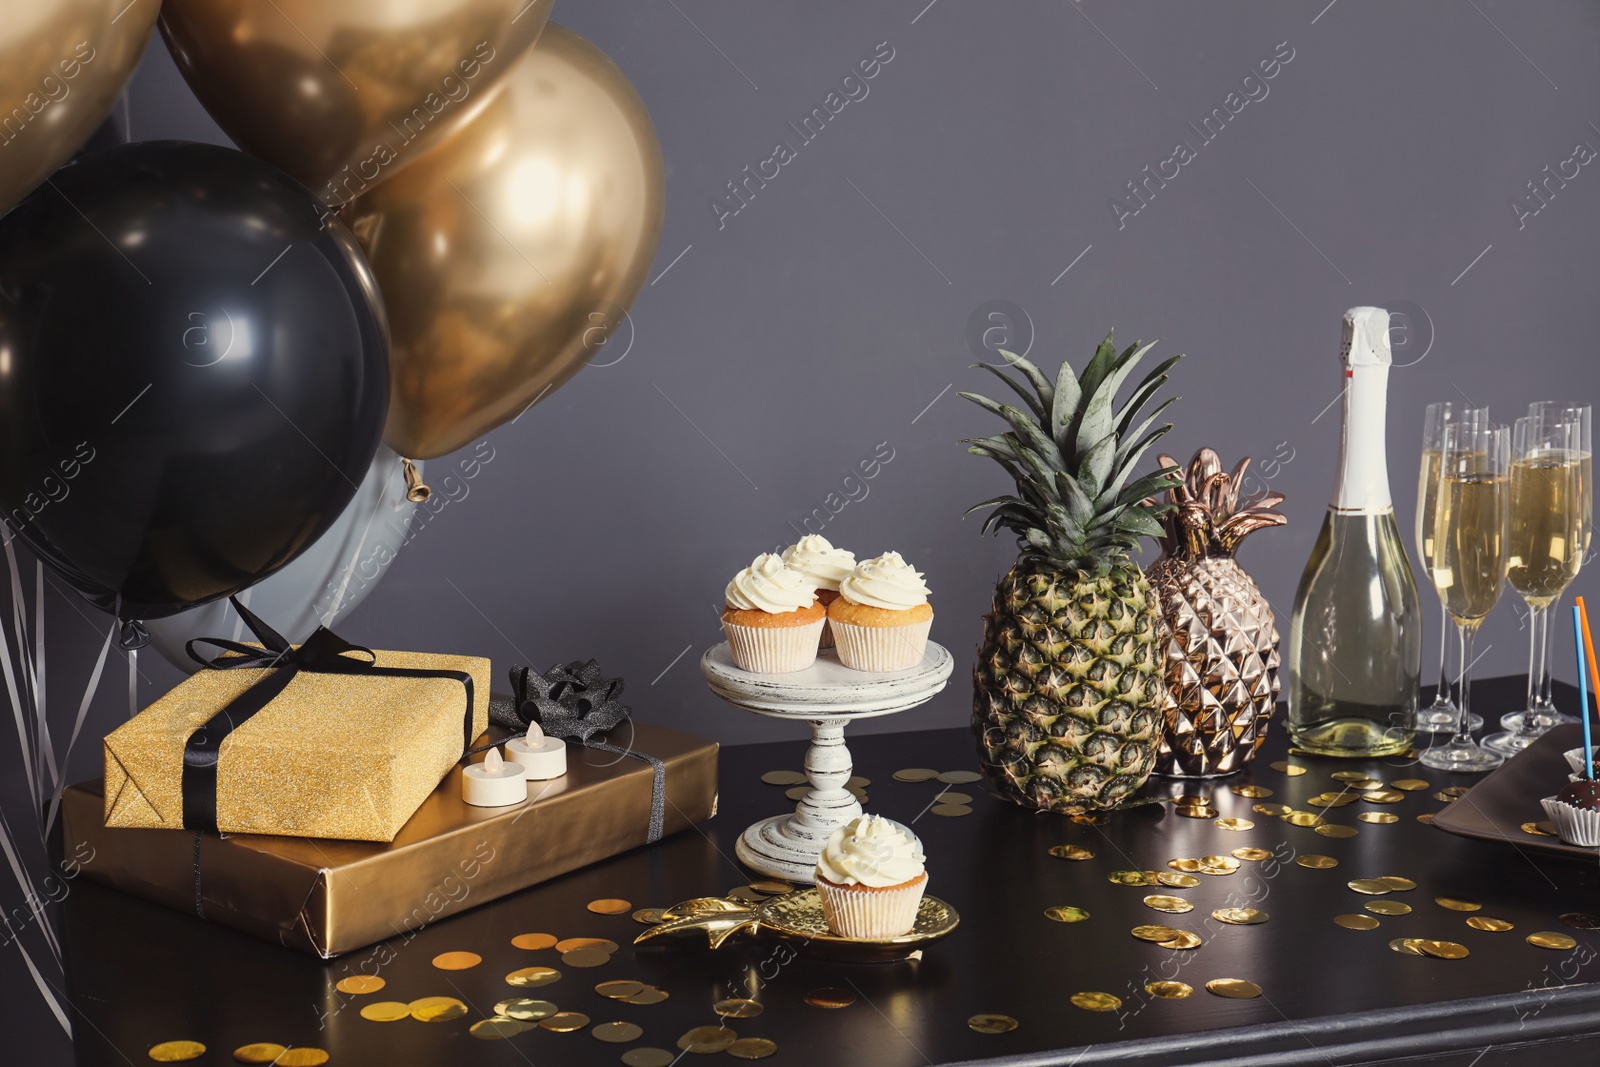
pixel 324 652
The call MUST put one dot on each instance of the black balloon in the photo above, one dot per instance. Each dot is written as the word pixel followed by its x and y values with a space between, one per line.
pixel 193 373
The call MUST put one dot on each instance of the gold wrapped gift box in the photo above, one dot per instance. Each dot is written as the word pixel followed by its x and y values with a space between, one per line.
pixel 332 756
pixel 329 897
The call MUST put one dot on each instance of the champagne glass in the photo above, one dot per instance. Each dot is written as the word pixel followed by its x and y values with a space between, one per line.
pixel 1546 538
pixel 1440 716
pixel 1469 564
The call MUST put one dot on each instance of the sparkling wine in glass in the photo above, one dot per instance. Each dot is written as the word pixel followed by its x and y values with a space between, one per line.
pixel 1469 564
pixel 1546 538
pixel 1440 716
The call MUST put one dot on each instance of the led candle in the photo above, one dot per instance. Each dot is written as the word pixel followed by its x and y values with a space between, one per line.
pixel 542 757
pixel 494 783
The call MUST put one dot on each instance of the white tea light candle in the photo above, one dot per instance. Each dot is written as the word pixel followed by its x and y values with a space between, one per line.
pixel 494 783
pixel 541 756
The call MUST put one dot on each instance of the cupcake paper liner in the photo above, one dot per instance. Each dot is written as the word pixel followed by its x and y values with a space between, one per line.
pixel 1575 825
pixel 773 649
pixel 881 648
pixel 867 912
pixel 1574 757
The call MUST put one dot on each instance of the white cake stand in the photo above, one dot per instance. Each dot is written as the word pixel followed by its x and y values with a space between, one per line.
pixel 828 695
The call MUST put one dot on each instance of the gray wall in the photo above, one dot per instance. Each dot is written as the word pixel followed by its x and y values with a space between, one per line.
pixel 834 311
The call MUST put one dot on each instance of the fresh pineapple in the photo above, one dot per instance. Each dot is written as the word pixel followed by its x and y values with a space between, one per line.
pixel 1222 640
pixel 1068 685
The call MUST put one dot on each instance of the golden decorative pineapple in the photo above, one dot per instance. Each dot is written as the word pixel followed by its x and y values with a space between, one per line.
pixel 1221 639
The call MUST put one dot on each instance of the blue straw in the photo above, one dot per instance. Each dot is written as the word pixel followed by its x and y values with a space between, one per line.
pixel 1583 693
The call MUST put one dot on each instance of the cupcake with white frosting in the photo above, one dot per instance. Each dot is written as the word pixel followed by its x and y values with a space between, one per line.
pixel 817 559
pixel 773 620
pixel 882 617
pixel 871 878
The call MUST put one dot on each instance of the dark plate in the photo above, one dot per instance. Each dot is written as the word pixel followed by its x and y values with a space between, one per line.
pixel 1496 808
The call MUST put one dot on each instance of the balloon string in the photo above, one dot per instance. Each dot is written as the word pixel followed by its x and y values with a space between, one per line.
pixel 133 682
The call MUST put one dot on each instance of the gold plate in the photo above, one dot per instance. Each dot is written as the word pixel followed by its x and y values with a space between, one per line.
pixel 990 1023
pixel 1551 939
pixel 1356 922
pixel 533 942
pixel 600 943
pixel 1579 921
pixel 260 1052
pixel 1397 883
pixel 1155 933
pixel 783 778
pixel 1234 988
pixel 1455 904
pixel 610 906
pixel 1184 940
pixel 1096 1001
pixel 618 1032
pixel 1253 854
pixel 1065 914
pixel 1235 824
pixel 456 961
pixel 386 1011
pixel 830 997
pixel 1378 818
pixel 1177 879
pixel 647 916
pixel 1316 862
pixel 1387 907
pixel 619 989
pixel 707 1039
pixel 1169 990
pixel 1410 785
pixel 752 1048
pixel 1443 950
pixel 524 1010
pixel 1174 905
pixel 737 1008
pixel 1336 830
pixel 586 957
pixel 360 983
pixel 1253 791
pixel 1375 887
pixel 302 1056
pixel 960 777
pixel 1071 852
pixel 1495 926
pixel 176 1051
pixel 437 1009
pixel 565 1022
pixel 648 1057
pixel 533 976
pixel 1406 946
pixel 916 774
pixel 1240 916
pixel 650 994
pixel 497 1029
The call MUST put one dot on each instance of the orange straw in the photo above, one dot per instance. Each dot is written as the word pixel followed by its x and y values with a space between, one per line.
pixel 1588 647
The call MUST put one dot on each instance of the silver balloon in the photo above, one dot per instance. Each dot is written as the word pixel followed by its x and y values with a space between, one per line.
pixel 322 584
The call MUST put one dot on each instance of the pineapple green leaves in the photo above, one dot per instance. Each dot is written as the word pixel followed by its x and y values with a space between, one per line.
pixel 1073 454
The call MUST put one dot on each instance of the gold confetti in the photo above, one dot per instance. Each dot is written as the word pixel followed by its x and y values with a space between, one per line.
pixel 1155 933
pixel 610 906
pixel 1096 1001
pixel 260 1052
pixel 620 989
pixel 1348 776
pixel 586 957
pixel 1191 800
pixel 1443 950
pixel 1072 852
pixel 1169 990
pixel 1455 904
pixel 1303 818
pixel 1366 785
pixel 304 1056
pixel 1550 939
pixel 1332 800
pixel 523 1010
pixel 752 1048
pixel 1387 907
pixel 176 1051
pixel 1065 914
pixel 783 778
pixel 1187 866
pixel 1483 922
pixel 586 942
pixel 357 984
pixel 950 796
pixel 1252 854
pixel 1271 810
pixel 618 1032
pixel 916 774
pixel 772 886
pixel 533 976
pixel 1257 791
pixel 1293 770
pixel 1441 795
pixel 1133 878
pixel 1177 879
pixel 1090 818
pixel 386 1011
pixel 648 916
pixel 1337 831
pixel 1378 818
pixel 1175 905
pixel 1216 864
pixel 800 792
pixel 745 894
pixel 1579 921
pixel 648 1057
pixel 1426 818
pixel 960 777
pixel 858 782
pixel 1454 792
pixel 1411 785
pixel 437 1009
pixel 737 1008
pixel 1198 812
pixel 1316 862
pixel 1184 940
pixel 1240 916
pixel 650 994
pixel 1235 824
pixel 565 1022
pixel 1406 946
pixel 1356 922
pixel 1395 882
pixel 533 942
pixel 1371 886
pixel 830 997
pixel 1383 796
pixel 456 961
pixel 707 1039
pixel 496 1029
pixel 1539 829
pixel 952 811
pixel 989 1023
pixel 1234 988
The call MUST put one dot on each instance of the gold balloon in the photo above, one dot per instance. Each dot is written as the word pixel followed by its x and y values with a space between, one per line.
pixel 344 93
pixel 508 254
pixel 62 64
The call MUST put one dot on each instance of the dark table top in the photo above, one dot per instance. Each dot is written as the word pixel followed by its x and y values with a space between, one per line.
pixel 140 974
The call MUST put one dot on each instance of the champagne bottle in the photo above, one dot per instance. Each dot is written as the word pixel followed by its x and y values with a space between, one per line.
pixel 1355 638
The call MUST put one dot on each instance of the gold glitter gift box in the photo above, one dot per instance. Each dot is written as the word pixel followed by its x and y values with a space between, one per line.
pixel 328 897
pixel 333 755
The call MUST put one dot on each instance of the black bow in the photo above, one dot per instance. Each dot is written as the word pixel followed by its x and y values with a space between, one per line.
pixel 566 702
